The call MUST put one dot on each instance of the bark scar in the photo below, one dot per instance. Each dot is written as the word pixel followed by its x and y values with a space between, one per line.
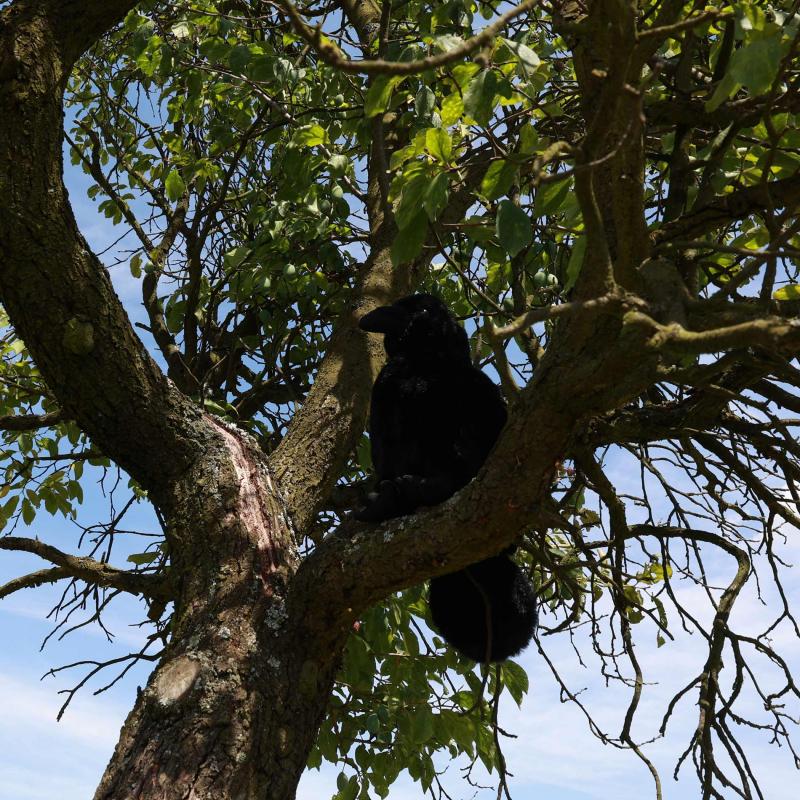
pixel 253 506
pixel 176 679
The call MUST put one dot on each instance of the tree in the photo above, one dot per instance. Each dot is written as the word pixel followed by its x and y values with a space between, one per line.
pixel 606 192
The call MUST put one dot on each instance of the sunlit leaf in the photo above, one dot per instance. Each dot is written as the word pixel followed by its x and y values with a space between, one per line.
pixel 174 185
pixel 789 292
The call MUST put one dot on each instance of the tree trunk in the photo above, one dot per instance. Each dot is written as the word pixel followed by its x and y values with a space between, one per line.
pixel 233 708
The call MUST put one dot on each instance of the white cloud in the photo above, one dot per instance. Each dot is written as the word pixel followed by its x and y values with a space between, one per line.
pixel 34 707
pixel 40 758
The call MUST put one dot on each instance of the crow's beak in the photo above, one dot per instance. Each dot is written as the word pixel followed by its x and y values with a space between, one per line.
pixel 385 319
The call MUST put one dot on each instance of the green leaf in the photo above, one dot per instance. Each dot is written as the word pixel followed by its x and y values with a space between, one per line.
pixel 662 612
pixel 338 164
pixel 756 64
pixel 457 728
pixel 233 258
pixel 8 509
pixel 487 750
pixel 479 229
pixel 409 151
pixel 174 185
pixel 372 724
pixel 549 197
pixel 498 179
pixel 452 109
pixel 421 725
pixel 239 57
pixel 726 88
pixel 448 42
pixel 142 558
pixel 150 58
pixel 408 244
pixel 314 758
pixel 181 30
pixel 28 511
pixel 425 102
pixel 516 680
pixel 348 787
pixel 436 195
pixel 789 292
pixel 528 60
pixel 479 96
pixel 633 612
pixel 514 229
pixel 311 136
pixel 528 140
pixel 50 503
pixel 575 263
pixel 654 572
pixel 379 94
pixel 463 73
pixel 438 144
pixel 411 200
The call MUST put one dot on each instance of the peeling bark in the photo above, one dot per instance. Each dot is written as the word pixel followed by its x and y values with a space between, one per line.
pixel 234 705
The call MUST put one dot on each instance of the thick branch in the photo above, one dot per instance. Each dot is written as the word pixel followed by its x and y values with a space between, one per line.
pixel 32 580
pixel 770 333
pixel 86 569
pixel 361 565
pixel 611 194
pixel 333 56
pixel 75 24
pixel 56 292
pixel 176 365
pixel 724 210
pixel 253 400
pixel 777 395
pixel 29 422
pixel 609 303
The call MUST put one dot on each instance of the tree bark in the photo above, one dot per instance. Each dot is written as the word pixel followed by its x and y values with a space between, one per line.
pixel 235 703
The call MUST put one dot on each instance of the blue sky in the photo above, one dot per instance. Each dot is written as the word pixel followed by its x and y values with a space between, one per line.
pixel 554 756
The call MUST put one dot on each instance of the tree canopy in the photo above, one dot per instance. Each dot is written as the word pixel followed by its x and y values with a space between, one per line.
pixel 605 193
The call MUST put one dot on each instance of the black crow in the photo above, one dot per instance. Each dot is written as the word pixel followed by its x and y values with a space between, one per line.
pixel 434 417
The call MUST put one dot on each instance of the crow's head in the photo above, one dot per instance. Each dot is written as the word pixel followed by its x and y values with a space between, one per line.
pixel 418 326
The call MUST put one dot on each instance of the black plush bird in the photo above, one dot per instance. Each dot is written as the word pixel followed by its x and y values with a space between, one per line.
pixel 434 418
